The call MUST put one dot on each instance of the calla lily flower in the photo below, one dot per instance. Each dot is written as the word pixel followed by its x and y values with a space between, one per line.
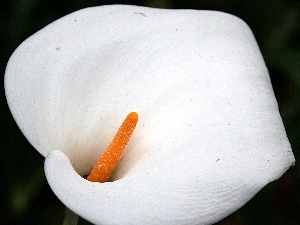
pixel 209 135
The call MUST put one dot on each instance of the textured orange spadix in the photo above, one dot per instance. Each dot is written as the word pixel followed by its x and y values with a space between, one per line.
pixel 105 165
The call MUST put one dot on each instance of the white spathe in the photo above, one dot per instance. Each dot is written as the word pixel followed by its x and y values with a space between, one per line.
pixel 209 135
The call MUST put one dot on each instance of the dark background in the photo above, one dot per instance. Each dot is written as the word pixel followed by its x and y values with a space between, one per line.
pixel 25 197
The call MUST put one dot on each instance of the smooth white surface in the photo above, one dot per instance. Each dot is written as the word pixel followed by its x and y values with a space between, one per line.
pixel 209 135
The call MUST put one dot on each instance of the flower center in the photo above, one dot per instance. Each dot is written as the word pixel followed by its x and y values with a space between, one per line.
pixel 107 162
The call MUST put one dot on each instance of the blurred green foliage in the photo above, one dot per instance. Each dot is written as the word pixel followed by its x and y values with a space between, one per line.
pixel 25 195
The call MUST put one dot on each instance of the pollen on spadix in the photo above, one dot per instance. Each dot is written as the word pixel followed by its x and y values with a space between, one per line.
pixel 107 162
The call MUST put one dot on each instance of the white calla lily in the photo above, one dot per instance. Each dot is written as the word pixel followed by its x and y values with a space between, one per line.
pixel 209 135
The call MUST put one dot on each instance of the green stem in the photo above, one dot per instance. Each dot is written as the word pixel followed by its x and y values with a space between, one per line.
pixel 70 218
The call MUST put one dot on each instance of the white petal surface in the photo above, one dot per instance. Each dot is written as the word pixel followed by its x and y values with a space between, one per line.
pixel 178 191
pixel 209 134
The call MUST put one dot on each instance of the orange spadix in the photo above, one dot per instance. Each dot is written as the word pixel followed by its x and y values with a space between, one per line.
pixel 107 162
